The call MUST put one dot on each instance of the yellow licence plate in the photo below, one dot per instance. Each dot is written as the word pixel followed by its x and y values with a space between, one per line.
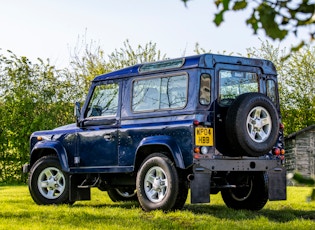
pixel 204 136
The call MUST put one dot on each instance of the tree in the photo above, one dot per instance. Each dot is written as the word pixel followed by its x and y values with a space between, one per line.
pixel 296 77
pixel 90 60
pixel 277 18
pixel 33 96
pixel 299 85
pixel 37 96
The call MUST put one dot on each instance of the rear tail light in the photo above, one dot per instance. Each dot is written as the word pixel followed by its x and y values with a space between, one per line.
pixel 196 122
pixel 276 151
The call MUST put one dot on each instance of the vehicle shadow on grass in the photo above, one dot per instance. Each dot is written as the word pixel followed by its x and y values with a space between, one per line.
pixel 281 215
pixel 222 212
pixel 123 205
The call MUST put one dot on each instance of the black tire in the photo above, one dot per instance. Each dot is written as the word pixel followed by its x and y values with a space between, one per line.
pixel 47 183
pixel 252 125
pixel 158 184
pixel 253 197
pixel 122 194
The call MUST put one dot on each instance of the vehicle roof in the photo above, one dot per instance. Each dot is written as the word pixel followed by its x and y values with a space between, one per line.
pixel 202 61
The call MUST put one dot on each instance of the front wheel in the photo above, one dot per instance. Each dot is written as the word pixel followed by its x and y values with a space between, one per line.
pixel 158 184
pixel 48 184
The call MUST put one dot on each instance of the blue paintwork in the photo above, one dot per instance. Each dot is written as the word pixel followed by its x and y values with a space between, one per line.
pixel 57 147
pixel 168 142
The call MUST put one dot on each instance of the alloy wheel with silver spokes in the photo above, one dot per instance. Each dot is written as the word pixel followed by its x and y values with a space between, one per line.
pixel 47 183
pixel 259 124
pixel 51 183
pixel 158 184
pixel 155 184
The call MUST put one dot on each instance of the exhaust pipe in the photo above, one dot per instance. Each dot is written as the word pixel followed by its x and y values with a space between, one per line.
pixel 190 177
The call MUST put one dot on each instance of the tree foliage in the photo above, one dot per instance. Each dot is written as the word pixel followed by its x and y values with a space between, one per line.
pixel 90 60
pixel 38 96
pixel 32 97
pixel 297 84
pixel 277 18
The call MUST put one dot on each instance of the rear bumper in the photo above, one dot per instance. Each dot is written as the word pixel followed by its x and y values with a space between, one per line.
pixel 204 168
pixel 236 164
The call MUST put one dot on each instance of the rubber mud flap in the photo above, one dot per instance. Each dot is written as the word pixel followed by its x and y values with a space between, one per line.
pixel 76 193
pixel 277 184
pixel 200 188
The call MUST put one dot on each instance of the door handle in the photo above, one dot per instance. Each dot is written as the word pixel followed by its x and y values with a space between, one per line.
pixel 108 137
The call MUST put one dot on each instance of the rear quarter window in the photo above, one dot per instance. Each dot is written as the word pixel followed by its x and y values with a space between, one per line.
pixel 271 90
pixel 160 93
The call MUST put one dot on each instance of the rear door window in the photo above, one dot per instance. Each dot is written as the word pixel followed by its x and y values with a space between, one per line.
pixel 235 83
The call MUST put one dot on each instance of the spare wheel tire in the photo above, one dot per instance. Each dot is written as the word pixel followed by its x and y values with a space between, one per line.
pixel 252 125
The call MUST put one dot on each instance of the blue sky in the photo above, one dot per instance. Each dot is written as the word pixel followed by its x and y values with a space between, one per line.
pixel 51 28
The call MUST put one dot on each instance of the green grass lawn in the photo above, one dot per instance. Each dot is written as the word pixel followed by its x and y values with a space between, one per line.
pixel 18 211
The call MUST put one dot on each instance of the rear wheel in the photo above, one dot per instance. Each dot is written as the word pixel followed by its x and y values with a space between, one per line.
pixel 48 184
pixel 122 194
pixel 251 192
pixel 158 184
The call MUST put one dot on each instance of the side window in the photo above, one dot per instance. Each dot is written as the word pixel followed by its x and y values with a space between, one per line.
pixel 205 89
pixel 271 90
pixel 146 95
pixel 104 101
pixel 160 93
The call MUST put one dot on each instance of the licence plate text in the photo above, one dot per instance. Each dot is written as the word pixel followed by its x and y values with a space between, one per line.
pixel 204 136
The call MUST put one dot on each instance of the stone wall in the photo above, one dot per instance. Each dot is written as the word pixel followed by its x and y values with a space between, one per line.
pixel 300 151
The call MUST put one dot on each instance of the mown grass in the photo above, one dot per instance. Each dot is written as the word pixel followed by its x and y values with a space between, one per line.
pixel 18 211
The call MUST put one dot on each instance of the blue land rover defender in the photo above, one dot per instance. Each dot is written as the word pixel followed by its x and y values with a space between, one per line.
pixel 150 132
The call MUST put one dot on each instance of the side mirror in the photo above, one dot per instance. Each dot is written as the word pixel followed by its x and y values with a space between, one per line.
pixel 77 111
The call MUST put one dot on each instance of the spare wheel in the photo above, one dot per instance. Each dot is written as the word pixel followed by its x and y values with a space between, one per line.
pixel 252 125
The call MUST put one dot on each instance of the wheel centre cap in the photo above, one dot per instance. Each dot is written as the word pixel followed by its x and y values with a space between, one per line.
pixel 257 124
pixel 157 183
pixel 51 182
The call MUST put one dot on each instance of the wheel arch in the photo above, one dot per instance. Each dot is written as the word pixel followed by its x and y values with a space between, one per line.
pixel 164 144
pixel 51 148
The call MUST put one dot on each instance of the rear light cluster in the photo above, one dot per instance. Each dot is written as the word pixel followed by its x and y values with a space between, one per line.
pixel 200 150
pixel 279 151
